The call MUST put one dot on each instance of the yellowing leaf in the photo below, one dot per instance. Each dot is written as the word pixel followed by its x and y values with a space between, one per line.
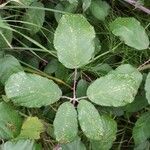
pixel 31 128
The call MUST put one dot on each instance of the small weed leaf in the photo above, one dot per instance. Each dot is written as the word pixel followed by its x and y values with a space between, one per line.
pixel 31 129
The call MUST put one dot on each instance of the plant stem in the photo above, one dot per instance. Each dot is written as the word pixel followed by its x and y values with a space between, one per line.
pixel 66 97
pixel 105 53
pixel 74 84
pixel 84 97
pixel 74 99
pixel 134 3
pixel 145 65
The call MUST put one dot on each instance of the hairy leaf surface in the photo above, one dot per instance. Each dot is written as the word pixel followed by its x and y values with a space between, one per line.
pixel 73 40
pixel 117 88
pixel 131 32
pixel 65 123
pixel 31 90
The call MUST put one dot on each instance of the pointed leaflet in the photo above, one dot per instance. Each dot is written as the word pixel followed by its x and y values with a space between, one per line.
pixel 31 129
pixel 20 145
pixel 147 88
pixel 6 35
pixel 131 32
pixel 99 9
pixel 89 120
pixel 35 22
pixel 141 130
pixel 72 53
pixel 65 123
pixel 31 90
pixel 8 66
pixel 10 122
pixel 117 88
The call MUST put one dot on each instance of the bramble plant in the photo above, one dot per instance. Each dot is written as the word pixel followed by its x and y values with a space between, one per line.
pixel 74 75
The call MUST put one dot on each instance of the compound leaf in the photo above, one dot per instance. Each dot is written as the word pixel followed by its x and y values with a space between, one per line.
pixel 65 123
pixel 31 90
pixel 131 32
pixel 71 51
pixel 117 88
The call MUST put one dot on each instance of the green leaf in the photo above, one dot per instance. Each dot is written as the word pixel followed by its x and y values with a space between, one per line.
pixel 6 35
pixel 110 130
pixel 35 21
pixel 51 66
pixel 131 32
pixel 99 9
pixel 143 146
pixel 31 90
pixel 117 88
pixel 72 1
pixel 27 2
pixel 101 69
pixel 8 66
pixel 22 2
pixel 141 130
pixel 31 129
pixel 75 145
pixel 147 88
pixel 62 72
pixel 89 120
pixel 97 45
pixel 21 145
pixel 66 7
pixel 72 53
pixel 139 103
pixel 81 88
pixel 86 4
pixel 10 122
pixel 65 123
